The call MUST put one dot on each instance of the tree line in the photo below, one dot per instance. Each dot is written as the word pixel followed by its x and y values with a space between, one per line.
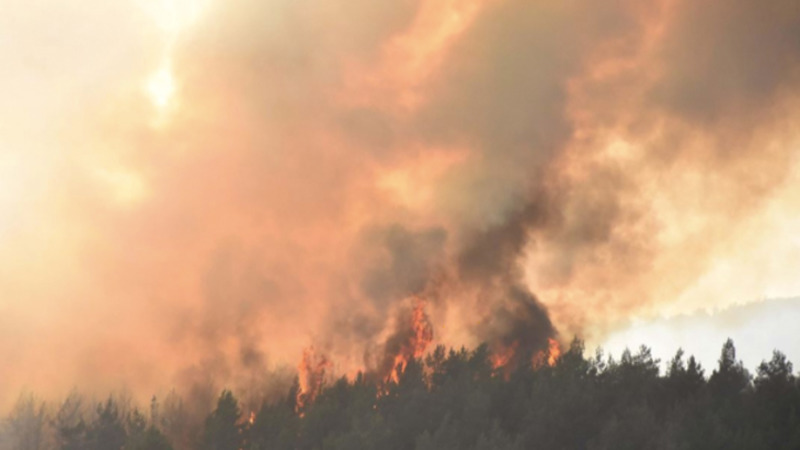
pixel 455 399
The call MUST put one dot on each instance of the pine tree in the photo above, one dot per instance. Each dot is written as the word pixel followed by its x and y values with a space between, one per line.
pixel 222 431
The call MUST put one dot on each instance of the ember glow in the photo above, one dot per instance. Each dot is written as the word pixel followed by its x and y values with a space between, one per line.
pixel 194 193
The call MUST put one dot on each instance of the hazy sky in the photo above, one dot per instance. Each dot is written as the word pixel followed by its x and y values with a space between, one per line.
pixel 757 329
pixel 195 190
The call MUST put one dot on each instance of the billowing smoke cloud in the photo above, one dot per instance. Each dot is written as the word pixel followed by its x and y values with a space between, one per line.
pixel 526 169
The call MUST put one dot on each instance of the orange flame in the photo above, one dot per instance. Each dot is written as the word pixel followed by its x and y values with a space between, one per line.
pixel 503 356
pixel 554 351
pixel 423 330
pixel 417 343
pixel 310 375
pixel 552 354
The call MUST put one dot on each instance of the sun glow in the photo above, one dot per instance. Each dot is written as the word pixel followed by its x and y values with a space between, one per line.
pixel 172 17
pixel 161 86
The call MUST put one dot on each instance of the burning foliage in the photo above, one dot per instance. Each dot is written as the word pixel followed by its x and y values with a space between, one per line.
pixel 521 338
pixel 519 332
pixel 411 338
pixel 553 351
pixel 310 376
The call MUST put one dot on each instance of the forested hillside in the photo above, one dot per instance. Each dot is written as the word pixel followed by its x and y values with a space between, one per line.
pixel 456 399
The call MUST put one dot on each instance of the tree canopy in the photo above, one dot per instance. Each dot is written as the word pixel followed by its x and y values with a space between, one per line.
pixel 455 399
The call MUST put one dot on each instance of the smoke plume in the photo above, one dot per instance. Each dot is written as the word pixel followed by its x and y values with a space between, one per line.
pixel 364 177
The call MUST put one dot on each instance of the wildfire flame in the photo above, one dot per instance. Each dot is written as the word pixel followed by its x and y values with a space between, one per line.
pixel 412 337
pixel 554 351
pixel 416 343
pixel 310 375
pixel 502 358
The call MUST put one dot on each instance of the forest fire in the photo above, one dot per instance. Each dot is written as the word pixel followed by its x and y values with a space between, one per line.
pixel 310 375
pixel 411 340
pixel 413 335
pixel 554 351
pixel 504 358
pixel 503 355
pixel 550 356
pixel 282 199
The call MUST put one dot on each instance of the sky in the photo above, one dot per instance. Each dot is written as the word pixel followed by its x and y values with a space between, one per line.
pixel 195 191
pixel 757 329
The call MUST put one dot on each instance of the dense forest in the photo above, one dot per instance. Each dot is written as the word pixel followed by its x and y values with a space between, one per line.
pixel 456 399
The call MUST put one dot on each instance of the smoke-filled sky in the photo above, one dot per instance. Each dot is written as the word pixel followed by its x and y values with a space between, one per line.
pixel 196 190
